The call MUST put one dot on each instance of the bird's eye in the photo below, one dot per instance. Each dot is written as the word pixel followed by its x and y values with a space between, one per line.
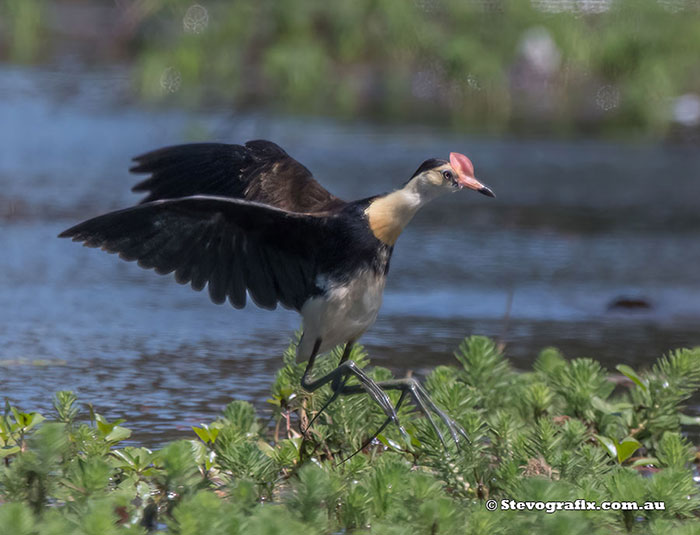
pixel 447 175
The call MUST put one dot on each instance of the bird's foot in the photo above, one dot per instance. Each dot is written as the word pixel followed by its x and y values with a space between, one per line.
pixel 424 402
pixel 412 387
pixel 366 386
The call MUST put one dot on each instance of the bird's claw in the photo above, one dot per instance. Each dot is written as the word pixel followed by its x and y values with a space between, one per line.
pixel 456 430
pixel 425 404
pixel 376 391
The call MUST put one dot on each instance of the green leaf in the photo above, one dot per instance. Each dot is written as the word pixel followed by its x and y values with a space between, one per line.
pixel 11 450
pixel 133 458
pixel 276 400
pixel 200 451
pixel 608 443
pixel 118 434
pixel 609 408
pixel 103 425
pixel 124 456
pixel 207 433
pixel 202 433
pixel 389 443
pixel 644 461
pixel 602 405
pixel 266 448
pixel 626 448
pixel 628 372
pixel 19 416
pixel 36 419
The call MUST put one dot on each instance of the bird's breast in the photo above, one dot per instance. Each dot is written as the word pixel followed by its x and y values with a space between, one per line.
pixel 345 310
pixel 359 298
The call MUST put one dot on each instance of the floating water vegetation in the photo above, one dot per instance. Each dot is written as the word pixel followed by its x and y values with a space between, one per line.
pixel 564 431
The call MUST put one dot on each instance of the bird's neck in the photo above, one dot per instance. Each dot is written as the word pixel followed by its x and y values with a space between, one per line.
pixel 389 214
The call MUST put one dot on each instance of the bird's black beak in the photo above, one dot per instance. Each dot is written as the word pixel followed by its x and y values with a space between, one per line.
pixel 486 191
pixel 466 181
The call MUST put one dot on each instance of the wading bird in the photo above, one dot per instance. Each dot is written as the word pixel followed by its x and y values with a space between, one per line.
pixel 252 219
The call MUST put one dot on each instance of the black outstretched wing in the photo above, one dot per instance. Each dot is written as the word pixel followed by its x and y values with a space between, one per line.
pixel 259 171
pixel 230 244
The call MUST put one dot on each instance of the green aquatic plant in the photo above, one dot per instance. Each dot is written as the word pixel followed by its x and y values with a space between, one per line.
pixel 612 70
pixel 554 435
pixel 540 66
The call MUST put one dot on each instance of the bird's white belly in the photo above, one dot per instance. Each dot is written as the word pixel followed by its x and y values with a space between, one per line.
pixel 342 314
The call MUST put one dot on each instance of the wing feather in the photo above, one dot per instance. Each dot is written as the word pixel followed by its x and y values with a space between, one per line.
pixel 258 171
pixel 218 278
pixel 228 244
pixel 236 289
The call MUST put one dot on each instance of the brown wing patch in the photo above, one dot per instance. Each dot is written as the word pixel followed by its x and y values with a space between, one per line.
pixel 258 171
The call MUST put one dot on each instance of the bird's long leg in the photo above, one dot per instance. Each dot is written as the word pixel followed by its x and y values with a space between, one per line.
pixel 337 383
pixel 338 376
pixel 422 400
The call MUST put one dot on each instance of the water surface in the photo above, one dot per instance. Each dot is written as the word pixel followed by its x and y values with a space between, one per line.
pixel 576 225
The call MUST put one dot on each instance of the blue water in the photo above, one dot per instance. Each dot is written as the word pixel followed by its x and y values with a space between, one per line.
pixel 575 226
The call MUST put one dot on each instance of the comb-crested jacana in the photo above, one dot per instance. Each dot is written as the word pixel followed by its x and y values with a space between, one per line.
pixel 249 218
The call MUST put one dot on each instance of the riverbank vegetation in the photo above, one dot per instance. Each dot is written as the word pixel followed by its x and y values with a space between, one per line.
pixel 556 67
pixel 565 430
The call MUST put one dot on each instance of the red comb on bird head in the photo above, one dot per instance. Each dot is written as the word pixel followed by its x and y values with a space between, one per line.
pixel 461 164
pixel 465 174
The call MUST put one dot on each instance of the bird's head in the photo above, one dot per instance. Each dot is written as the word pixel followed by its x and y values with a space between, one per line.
pixel 389 214
pixel 436 176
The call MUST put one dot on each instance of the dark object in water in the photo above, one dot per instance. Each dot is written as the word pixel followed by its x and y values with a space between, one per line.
pixel 629 303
